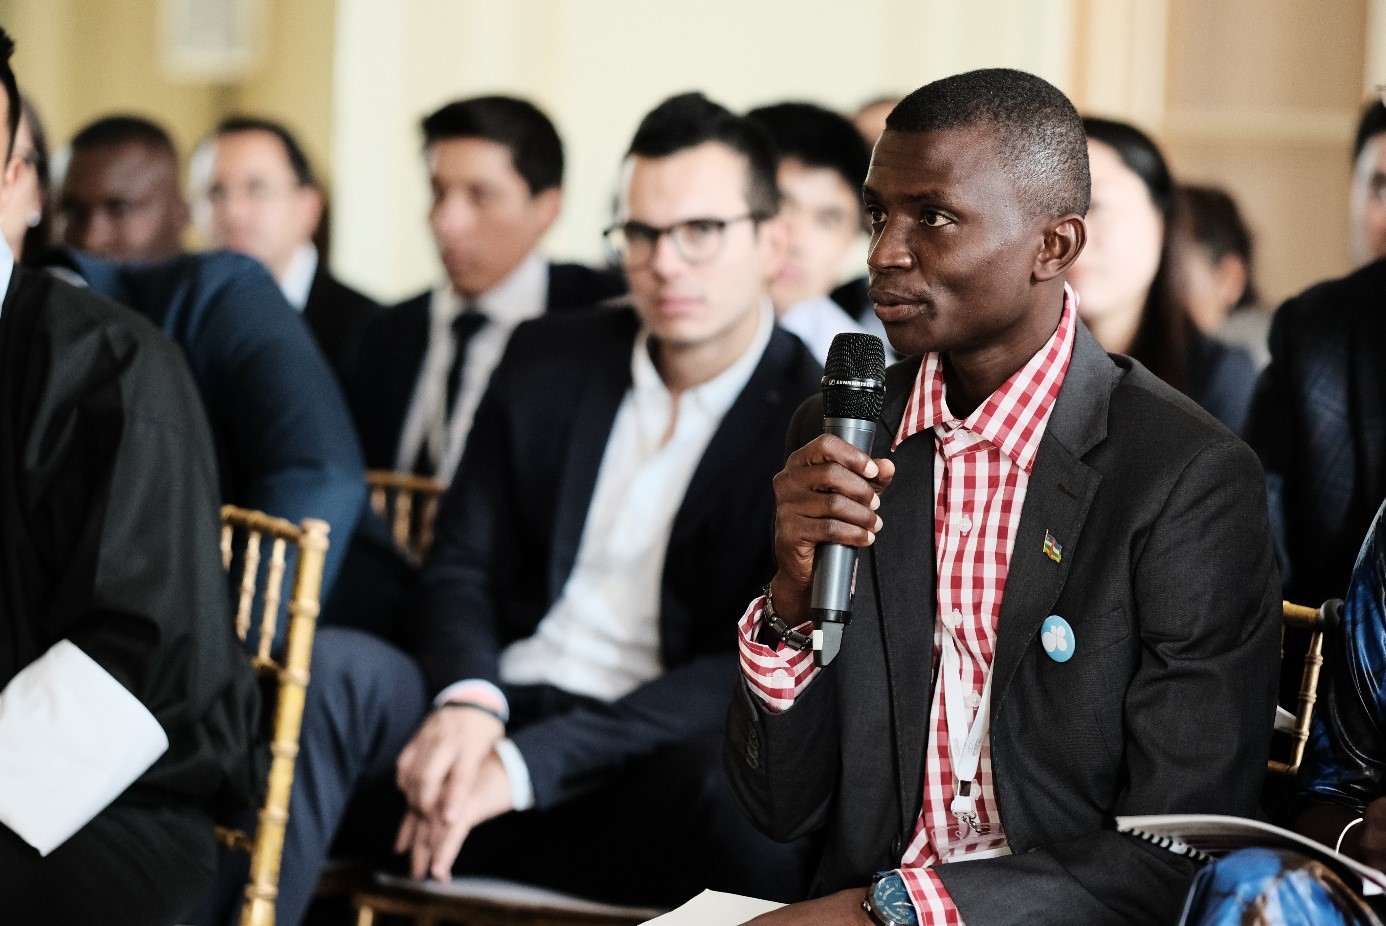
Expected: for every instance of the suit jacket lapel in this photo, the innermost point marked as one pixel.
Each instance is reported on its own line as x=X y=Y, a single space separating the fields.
x=1060 y=491
x=903 y=563
x=593 y=417
x=740 y=432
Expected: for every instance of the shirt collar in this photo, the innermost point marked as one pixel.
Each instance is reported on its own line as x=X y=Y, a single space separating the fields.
x=6 y=269
x=298 y=276
x=714 y=397
x=518 y=297
x=1013 y=417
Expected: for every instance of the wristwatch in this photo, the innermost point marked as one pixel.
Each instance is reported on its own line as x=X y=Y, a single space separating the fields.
x=888 y=902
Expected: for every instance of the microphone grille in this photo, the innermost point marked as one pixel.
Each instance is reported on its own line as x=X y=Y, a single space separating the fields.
x=854 y=377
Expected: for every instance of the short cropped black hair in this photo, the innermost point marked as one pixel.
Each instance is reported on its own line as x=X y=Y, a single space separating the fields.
x=11 y=88
x=1372 y=124
x=535 y=148
x=298 y=158
x=110 y=131
x=691 y=119
x=1039 y=134
x=817 y=137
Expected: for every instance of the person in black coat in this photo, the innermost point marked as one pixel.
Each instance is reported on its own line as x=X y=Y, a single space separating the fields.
x=1318 y=422
x=496 y=169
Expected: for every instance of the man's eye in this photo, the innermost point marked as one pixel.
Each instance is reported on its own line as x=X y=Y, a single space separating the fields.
x=933 y=219
x=704 y=228
x=875 y=217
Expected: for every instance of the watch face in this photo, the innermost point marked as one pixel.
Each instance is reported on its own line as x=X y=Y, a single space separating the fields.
x=891 y=901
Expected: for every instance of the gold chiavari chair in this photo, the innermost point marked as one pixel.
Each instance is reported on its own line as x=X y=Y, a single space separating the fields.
x=408 y=503
x=1316 y=621
x=290 y=672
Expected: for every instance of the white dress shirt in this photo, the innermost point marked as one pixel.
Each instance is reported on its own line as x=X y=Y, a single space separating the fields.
x=816 y=322
x=298 y=276
x=519 y=297
x=601 y=637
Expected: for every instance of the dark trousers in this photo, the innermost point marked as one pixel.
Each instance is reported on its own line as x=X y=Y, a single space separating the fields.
x=130 y=866
x=663 y=830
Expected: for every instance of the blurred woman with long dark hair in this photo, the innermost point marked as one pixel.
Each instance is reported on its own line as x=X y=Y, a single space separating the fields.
x=1127 y=284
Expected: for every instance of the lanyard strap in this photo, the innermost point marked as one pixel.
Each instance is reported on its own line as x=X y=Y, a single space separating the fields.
x=964 y=738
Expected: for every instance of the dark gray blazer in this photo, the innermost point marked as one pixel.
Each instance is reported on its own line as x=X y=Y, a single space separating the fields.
x=1168 y=581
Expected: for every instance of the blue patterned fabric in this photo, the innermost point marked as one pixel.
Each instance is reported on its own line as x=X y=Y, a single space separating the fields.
x=1266 y=887
x=1345 y=762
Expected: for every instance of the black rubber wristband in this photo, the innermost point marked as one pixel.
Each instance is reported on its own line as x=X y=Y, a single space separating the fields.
x=474 y=706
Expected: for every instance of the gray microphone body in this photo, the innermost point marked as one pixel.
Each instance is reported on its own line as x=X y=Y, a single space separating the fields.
x=853 y=397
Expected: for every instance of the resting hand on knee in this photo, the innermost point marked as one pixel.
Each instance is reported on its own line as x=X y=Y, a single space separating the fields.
x=433 y=840
x=441 y=762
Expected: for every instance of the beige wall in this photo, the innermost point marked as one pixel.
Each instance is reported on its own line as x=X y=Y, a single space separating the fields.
x=596 y=67
x=80 y=59
x=1257 y=95
x=1263 y=99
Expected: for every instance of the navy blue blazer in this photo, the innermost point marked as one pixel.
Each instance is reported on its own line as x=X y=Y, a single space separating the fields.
x=1318 y=422
x=284 y=442
x=510 y=526
x=381 y=383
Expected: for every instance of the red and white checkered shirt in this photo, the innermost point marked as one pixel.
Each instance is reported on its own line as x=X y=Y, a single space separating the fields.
x=981 y=472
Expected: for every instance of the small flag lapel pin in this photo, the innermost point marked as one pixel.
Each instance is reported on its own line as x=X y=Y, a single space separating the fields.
x=1052 y=548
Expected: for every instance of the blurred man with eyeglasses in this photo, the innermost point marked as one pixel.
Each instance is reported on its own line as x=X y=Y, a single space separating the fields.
x=263 y=198
x=559 y=721
x=495 y=167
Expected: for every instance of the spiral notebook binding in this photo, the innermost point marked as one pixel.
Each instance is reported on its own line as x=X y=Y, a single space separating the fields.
x=1170 y=844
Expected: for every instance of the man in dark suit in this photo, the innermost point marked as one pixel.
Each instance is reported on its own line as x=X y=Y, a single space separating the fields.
x=266 y=201
x=1066 y=604
x=496 y=169
x=576 y=622
x=1318 y=423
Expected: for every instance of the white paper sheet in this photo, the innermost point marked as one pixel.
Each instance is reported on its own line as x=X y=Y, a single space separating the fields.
x=713 y=908
x=72 y=738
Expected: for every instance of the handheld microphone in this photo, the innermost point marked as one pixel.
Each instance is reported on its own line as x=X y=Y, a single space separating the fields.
x=853 y=397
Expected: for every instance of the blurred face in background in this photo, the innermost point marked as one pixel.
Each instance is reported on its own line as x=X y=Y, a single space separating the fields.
x=708 y=292
x=122 y=202
x=823 y=216
x=1114 y=272
x=1368 y=202
x=1211 y=288
x=485 y=219
x=258 y=205
x=24 y=208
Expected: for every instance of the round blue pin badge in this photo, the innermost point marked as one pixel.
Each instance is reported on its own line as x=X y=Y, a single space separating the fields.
x=1056 y=636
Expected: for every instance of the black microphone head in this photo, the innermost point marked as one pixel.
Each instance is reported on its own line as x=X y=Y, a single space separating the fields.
x=854 y=377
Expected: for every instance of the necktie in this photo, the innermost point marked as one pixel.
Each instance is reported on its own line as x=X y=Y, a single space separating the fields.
x=464 y=328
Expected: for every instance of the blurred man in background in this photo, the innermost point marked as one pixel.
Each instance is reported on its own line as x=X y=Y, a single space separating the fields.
x=265 y=200
x=119 y=197
x=495 y=165
x=821 y=169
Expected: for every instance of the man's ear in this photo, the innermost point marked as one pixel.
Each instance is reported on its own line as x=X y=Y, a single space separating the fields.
x=772 y=238
x=310 y=204
x=1063 y=241
x=548 y=204
x=8 y=180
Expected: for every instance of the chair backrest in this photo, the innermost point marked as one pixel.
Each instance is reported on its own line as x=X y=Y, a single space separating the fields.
x=243 y=536
x=408 y=503
x=1316 y=621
